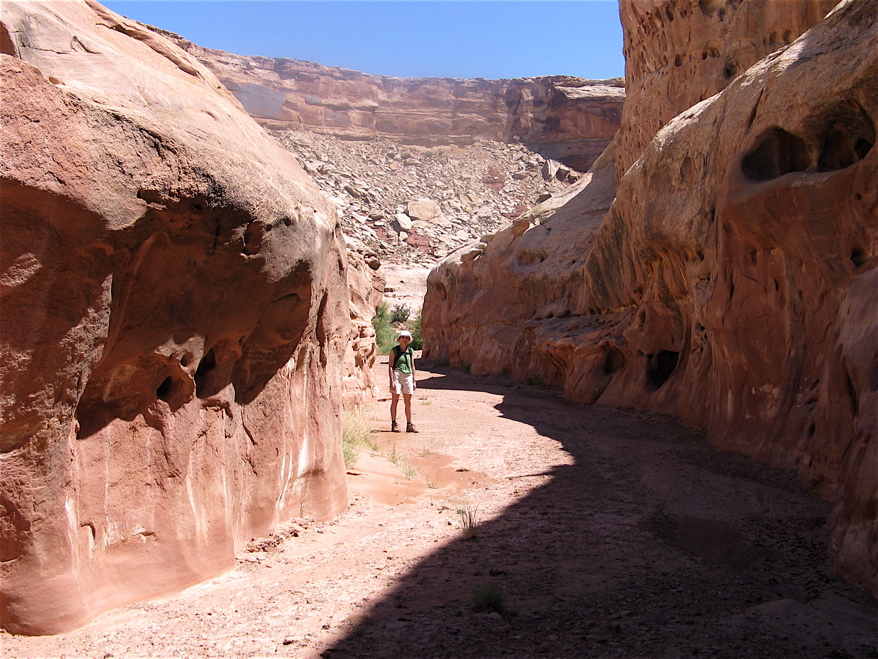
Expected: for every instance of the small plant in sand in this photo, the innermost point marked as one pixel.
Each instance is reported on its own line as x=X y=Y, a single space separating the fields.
x=469 y=521
x=356 y=432
x=488 y=597
x=410 y=472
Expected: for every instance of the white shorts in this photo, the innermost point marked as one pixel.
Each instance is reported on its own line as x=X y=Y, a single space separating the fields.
x=403 y=383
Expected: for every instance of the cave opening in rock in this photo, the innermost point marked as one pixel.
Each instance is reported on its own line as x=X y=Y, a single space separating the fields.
x=614 y=363
x=776 y=153
x=167 y=389
x=848 y=139
x=660 y=367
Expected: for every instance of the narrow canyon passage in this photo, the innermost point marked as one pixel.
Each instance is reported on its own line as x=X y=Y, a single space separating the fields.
x=604 y=532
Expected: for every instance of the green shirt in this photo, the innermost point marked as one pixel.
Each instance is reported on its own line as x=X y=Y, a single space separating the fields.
x=402 y=361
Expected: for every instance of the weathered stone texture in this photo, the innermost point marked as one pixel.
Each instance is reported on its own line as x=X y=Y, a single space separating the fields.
x=680 y=52
x=562 y=117
x=366 y=286
x=174 y=316
x=732 y=282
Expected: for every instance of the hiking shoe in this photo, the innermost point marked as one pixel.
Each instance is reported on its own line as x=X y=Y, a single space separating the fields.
x=410 y=427
x=394 y=426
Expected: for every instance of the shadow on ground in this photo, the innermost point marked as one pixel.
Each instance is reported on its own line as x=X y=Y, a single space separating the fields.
x=651 y=544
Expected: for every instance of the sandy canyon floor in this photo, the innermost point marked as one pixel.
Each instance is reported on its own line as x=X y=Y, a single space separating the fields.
x=598 y=533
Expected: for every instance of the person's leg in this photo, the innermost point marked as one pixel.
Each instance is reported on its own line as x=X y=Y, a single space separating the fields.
x=394 y=401
x=407 y=401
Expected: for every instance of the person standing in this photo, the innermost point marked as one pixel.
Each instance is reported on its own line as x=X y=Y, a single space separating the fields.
x=401 y=367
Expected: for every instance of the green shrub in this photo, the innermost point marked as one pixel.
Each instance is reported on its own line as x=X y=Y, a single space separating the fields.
x=385 y=333
x=415 y=329
x=488 y=597
x=400 y=314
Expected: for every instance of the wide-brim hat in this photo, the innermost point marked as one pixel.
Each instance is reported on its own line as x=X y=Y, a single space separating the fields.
x=405 y=333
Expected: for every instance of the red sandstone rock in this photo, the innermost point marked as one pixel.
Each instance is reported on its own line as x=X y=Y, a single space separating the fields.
x=561 y=117
x=174 y=313
x=733 y=282
x=366 y=286
x=680 y=52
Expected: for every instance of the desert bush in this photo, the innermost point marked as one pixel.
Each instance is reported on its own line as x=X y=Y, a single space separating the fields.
x=356 y=432
x=385 y=333
x=469 y=519
x=415 y=329
x=400 y=313
x=488 y=597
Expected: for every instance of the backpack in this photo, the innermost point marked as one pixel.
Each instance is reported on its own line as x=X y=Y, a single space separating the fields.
x=398 y=354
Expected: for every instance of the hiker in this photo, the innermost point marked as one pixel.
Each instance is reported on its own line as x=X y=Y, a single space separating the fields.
x=401 y=368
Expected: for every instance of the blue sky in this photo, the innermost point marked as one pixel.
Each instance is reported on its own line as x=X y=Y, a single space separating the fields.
x=406 y=38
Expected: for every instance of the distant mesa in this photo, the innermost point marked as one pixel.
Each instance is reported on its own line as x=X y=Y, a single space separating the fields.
x=564 y=118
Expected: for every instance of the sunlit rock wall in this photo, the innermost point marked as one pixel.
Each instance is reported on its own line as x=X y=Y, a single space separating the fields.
x=680 y=52
x=366 y=286
x=174 y=316
x=562 y=117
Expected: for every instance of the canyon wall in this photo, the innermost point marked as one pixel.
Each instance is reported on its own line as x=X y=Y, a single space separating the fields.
x=732 y=281
x=561 y=117
x=174 y=318
x=680 y=52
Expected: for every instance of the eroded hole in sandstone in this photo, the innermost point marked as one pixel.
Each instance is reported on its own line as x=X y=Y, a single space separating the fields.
x=660 y=367
x=214 y=371
x=730 y=70
x=167 y=388
x=615 y=362
x=7 y=47
x=530 y=257
x=686 y=169
x=175 y=390
x=253 y=239
x=777 y=153
x=849 y=138
x=859 y=257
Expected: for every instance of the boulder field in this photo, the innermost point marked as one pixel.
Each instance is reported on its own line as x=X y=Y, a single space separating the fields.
x=730 y=277
x=175 y=314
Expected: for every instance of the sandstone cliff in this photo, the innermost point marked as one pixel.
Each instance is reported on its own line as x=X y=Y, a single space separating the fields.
x=680 y=52
x=564 y=118
x=174 y=316
x=732 y=282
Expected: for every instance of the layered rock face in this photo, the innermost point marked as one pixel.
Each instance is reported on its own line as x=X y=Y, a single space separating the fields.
x=564 y=118
x=733 y=281
x=680 y=52
x=174 y=317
